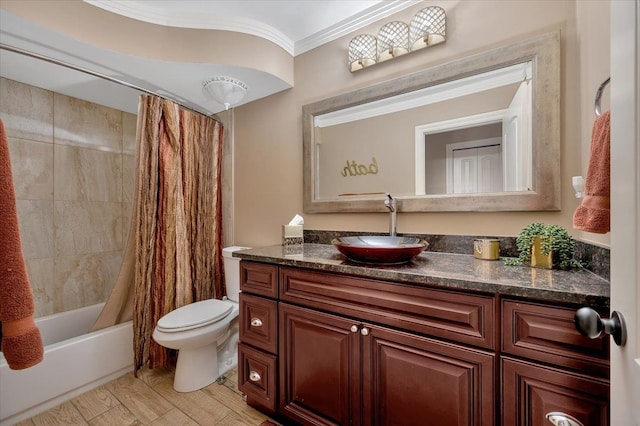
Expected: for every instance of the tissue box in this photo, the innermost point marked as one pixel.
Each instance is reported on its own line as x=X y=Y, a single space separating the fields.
x=292 y=235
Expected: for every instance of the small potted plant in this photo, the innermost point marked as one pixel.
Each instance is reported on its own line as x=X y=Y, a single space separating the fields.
x=545 y=246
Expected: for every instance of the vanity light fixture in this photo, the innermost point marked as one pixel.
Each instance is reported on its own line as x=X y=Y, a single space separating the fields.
x=428 y=27
x=363 y=51
x=225 y=90
x=393 y=40
x=396 y=38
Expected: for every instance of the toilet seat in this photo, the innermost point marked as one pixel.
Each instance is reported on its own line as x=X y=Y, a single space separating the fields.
x=194 y=315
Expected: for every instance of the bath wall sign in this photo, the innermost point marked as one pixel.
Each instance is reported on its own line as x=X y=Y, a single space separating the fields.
x=353 y=168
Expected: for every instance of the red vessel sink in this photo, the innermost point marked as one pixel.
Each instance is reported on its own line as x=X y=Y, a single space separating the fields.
x=380 y=249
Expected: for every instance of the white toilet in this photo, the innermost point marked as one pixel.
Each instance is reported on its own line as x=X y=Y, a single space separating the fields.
x=205 y=333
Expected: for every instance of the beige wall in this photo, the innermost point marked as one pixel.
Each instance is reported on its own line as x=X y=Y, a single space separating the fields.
x=73 y=171
x=268 y=138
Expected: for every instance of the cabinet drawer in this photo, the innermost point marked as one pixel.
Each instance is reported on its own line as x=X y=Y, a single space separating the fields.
x=259 y=278
x=257 y=376
x=547 y=333
x=258 y=322
x=530 y=392
x=451 y=315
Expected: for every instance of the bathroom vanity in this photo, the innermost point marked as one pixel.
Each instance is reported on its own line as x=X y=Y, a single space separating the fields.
x=444 y=339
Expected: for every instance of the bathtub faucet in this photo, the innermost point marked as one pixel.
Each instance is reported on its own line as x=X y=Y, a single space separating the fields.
x=392 y=205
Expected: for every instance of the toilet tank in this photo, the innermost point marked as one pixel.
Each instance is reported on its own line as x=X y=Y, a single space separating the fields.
x=232 y=271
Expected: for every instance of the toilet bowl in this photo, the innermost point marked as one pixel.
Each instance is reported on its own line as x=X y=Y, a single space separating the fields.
x=205 y=333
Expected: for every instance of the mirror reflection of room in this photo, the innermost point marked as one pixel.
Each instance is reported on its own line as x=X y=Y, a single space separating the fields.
x=467 y=136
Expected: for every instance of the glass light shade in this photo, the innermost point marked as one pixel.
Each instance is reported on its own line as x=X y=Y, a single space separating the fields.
x=225 y=90
x=428 y=27
x=362 y=52
x=393 y=40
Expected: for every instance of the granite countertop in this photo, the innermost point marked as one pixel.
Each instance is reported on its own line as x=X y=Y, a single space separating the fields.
x=451 y=271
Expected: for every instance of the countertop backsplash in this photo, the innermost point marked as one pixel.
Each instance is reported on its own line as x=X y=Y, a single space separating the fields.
x=595 y=258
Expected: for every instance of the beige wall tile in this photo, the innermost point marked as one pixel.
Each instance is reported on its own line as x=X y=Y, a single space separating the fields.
x=87 y=174
x=81 y=123
x=26 y=111
x=41 y=279
x=127 y=211
x=129 y=123
x=32 y=169
x=84 y=280
x=69 y=192
x=128 y=177
x=83 y=227
x=35 y=219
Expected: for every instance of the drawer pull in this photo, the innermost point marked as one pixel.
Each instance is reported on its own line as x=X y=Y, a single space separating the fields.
x=254 y=376
x=562 y=419
x=364 y=331
x=590 y=324
x=256 y=322
x=354 y=328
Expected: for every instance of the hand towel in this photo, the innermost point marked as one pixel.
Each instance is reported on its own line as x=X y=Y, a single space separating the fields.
x=593 y=214
x=20 y=341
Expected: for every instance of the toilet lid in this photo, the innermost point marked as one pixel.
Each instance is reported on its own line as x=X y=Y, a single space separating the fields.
x=196 y=314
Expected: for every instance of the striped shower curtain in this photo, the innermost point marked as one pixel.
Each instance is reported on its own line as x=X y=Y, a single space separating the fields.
x=174 y=252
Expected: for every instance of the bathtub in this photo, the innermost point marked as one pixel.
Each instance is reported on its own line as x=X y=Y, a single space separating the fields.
x=75 y=361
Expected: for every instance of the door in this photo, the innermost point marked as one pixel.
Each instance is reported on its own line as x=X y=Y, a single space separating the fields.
x=415 y=381
x=532 y=391
x=319 y=367
x=474 y=166
x=516 y=141
x=625 y=208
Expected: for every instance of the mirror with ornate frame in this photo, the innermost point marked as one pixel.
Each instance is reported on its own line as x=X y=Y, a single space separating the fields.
x=480 y=133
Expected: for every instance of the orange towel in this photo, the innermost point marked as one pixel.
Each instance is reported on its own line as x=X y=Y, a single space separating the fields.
x=593 y=214
x=20 y=341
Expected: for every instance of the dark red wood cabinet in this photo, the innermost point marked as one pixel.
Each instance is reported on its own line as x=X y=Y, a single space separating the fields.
x=548 y=367
x=331 y=349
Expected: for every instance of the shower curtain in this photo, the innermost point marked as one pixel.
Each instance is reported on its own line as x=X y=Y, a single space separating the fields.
x=174 y=251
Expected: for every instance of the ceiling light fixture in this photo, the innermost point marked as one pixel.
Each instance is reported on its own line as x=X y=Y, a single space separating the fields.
x=225 y=90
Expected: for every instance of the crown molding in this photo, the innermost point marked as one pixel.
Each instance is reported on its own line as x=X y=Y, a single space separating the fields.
x=202 y=20
x=353 y=23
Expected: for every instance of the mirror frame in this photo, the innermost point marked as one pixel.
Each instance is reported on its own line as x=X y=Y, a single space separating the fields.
x=543 y=51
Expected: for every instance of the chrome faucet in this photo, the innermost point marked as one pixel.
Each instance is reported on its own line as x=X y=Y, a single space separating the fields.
x=392 y=205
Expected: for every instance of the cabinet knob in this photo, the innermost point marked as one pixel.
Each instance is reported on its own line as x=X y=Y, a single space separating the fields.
x=561 y=419
x=256 y=322
x=364 y=331
x=590 y=324
x=354 y=328
x=254 y=376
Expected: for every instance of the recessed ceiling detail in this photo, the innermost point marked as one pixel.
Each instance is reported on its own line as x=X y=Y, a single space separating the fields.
x=295 y=25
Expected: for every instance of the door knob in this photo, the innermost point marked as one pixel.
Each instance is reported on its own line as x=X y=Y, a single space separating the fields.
x=562 y=419
x=590 y=324
x=354 y=328
x=256 y=322
x=364 y=331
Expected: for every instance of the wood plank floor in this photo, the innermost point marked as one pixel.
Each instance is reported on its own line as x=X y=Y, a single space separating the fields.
x=151 y=400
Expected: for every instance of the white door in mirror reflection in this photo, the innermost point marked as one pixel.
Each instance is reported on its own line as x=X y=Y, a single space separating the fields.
x=516 y=137
x=477 y=170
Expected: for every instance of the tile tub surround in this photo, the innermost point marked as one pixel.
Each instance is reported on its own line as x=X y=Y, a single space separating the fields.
x=73 y=165
x=595 y=258
x=451 y=271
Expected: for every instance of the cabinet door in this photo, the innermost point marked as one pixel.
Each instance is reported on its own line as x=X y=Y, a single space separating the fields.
x=411 y=380
x=530 y=392
x=319 y=367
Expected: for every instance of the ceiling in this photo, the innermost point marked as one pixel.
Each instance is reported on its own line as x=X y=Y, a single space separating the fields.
x=295 y=25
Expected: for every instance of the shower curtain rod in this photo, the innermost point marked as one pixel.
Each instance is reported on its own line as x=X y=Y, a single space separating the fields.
x=97 y=74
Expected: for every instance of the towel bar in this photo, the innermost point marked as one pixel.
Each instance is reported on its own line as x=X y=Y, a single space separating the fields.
x=599 y=95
